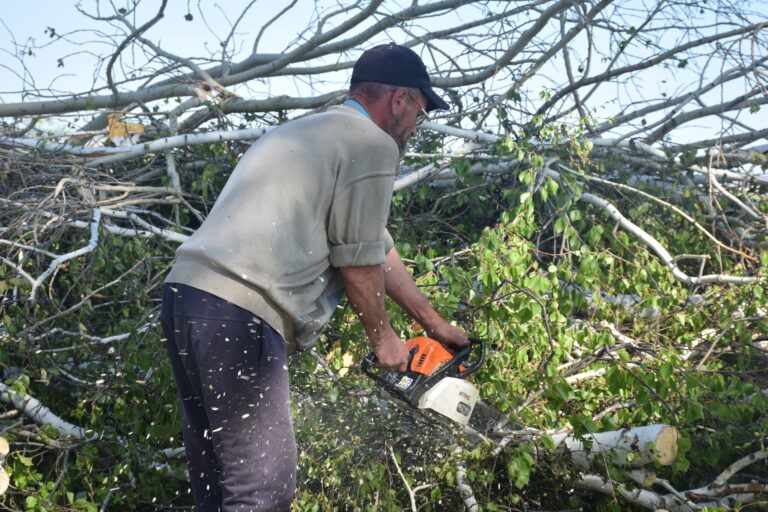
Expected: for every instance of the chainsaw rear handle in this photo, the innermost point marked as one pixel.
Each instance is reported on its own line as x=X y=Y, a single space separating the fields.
x=370 y=361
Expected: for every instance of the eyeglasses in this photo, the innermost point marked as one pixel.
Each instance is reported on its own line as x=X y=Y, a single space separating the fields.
x=423 y=115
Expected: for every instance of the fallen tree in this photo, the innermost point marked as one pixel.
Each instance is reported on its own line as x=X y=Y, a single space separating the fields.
x=606 y=240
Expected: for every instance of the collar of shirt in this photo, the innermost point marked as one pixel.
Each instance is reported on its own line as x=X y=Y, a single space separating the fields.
x=349 y=102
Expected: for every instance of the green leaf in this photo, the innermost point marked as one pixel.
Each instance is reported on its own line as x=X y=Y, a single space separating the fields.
x=694 y=412
x=24 y=460
x=524 y=315
x=559 y=225
x=616 y=380
x=666 y=371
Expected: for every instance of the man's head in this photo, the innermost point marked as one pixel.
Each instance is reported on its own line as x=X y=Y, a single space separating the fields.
x=393 y=84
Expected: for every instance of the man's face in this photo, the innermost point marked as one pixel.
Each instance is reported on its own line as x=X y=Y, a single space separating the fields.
x=408 y=109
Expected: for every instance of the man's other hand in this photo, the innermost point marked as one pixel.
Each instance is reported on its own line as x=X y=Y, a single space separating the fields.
x=448 y=334
x=391 y=353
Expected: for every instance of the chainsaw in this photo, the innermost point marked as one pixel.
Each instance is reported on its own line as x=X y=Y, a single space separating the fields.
x=435 y=378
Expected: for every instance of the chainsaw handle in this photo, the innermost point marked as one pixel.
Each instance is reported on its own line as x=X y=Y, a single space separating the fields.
x=370 y=361
x=464 y=352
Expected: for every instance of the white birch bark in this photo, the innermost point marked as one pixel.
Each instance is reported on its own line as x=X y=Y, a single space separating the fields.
x=41 y=414
x=633 y=447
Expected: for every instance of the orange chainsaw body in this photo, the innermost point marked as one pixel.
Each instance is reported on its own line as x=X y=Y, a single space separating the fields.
x=430 y=355
x=431 y=369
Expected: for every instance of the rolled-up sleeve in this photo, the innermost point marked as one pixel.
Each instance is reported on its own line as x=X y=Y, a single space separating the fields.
x=389 y=242
x=357 y=232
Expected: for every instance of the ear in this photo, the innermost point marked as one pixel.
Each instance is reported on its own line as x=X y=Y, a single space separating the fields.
x=399 y=101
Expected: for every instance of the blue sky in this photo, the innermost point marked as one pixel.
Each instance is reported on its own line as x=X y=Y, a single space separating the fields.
x=201 y=36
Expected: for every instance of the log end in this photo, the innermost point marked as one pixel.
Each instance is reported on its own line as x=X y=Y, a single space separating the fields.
x=5 y=481
x=665 y=447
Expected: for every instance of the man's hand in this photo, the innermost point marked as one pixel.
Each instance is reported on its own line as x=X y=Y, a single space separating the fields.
x=448 y=334
x=391 y=352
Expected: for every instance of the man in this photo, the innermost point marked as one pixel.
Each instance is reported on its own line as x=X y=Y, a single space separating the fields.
x=301 y=220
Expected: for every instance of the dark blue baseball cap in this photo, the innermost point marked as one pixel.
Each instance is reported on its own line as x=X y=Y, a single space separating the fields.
x=397 y=65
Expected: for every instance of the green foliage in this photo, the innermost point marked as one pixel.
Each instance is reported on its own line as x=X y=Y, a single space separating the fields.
x=520 y=464
x=517 y=260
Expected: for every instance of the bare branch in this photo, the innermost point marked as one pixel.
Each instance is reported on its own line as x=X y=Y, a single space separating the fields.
x=146 y=26
x=40 y=414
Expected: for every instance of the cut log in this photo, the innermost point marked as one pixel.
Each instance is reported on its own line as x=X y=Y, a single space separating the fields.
x=633 y=447
x=5 y=481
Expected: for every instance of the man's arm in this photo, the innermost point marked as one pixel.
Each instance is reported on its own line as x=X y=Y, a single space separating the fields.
x=402 y=289
x=365 y=289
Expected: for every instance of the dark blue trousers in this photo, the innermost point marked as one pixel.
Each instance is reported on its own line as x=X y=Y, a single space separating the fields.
x=232 y=379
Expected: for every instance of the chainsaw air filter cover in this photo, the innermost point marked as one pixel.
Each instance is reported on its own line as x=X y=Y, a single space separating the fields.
x=452 y=397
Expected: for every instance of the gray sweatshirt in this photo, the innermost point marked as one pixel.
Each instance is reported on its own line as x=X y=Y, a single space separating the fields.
x=307 y=198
